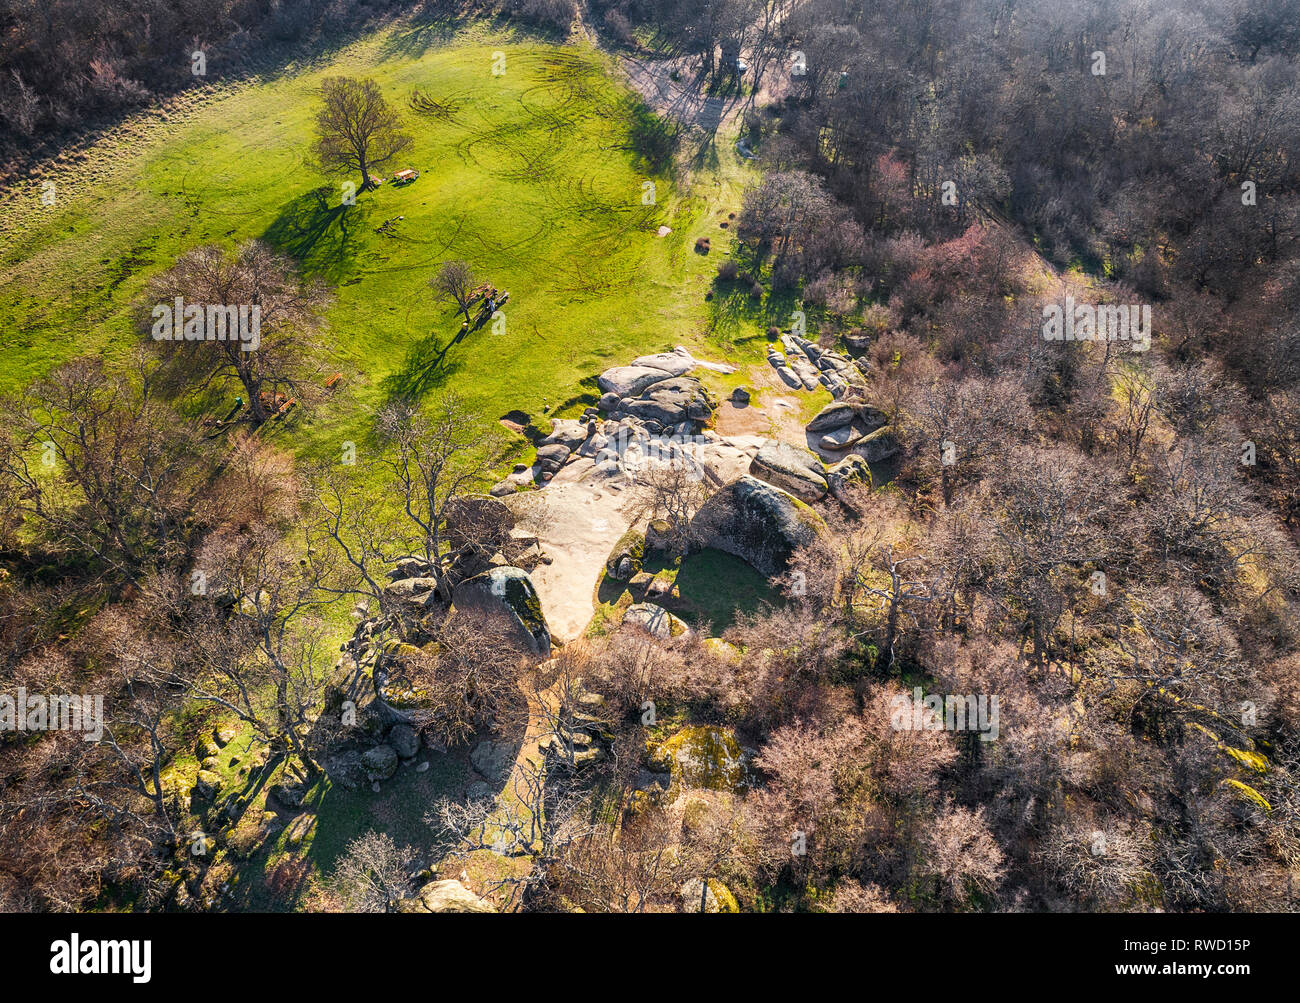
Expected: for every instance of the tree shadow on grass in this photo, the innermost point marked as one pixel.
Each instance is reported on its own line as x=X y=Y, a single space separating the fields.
x=323 y=238
x=713 y=586
x=428 y=29
x=428 y=365
x=709 y=587
x=705 y=157
x=652 y=138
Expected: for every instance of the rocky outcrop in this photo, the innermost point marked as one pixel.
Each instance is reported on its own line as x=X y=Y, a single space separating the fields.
x=671 y=402
x=792 y=469
x=508 y=590
x=630 y=381
x=404 y=740
x=493 y=759
x=701 y=756
x=879 y=445
x=444 y=896
x=806 y=364
x=832 y=416
x=655 y=620
x=677 y=363
x=710 y=896
x=580 y=733
x=845 y=424
x=757 y=522
x=839 y=438
x=625 y=558
x=380 y=763
x=850 y=473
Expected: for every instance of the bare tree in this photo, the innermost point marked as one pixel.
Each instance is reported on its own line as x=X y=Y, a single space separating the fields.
x=101 y=469
x=356 y=130
x=468 y=677
x=960 y=855
x=258 y=633
x=433 y=458
x=455 y=281
x=538 y=818
x=277 y=364
x=674 y=490
x=373 y=873
x=1136 y=408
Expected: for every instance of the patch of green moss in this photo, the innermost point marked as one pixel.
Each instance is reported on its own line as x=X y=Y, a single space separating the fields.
x=701 y=756
x=527 y=605
x=630 y=545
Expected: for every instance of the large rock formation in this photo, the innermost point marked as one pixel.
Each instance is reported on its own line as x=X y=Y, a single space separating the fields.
x=511 y=591
x=805 y=364
x=700 y=756
x=756 y=522
x=791 y=469
x=625 y=558
x=655 y=620
x=850 y=473
x=444 y=896
x=629 y=381
x=671 y=402
x=879 y=445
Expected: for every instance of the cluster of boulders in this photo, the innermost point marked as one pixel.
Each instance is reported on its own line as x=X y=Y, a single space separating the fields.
x=801 y=472
x=650 y=397
x=483 y=533
x=849 y=424
x=580 y=734
x=656 y=390
x=860 y=429
x=807 y=365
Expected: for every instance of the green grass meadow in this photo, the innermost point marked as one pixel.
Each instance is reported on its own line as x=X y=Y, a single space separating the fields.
x=532 y=175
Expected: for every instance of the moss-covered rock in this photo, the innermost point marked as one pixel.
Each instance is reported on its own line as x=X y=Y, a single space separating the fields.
x=722 y=649
x=206 y=747
x=626 y=557
x=659 y=535
x=716 y=896
x=701 y=756
x=511 y=591
x=851 y=472
x=879 y=445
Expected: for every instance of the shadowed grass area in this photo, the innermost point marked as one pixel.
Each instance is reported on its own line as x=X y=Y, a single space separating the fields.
x=710 y=586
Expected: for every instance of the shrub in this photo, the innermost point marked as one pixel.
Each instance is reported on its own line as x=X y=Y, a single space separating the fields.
x=617 y=24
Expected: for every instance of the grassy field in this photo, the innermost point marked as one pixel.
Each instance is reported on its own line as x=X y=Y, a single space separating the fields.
x=533 y=176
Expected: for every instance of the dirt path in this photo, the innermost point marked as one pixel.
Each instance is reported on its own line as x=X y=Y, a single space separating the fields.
x=682 y=99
